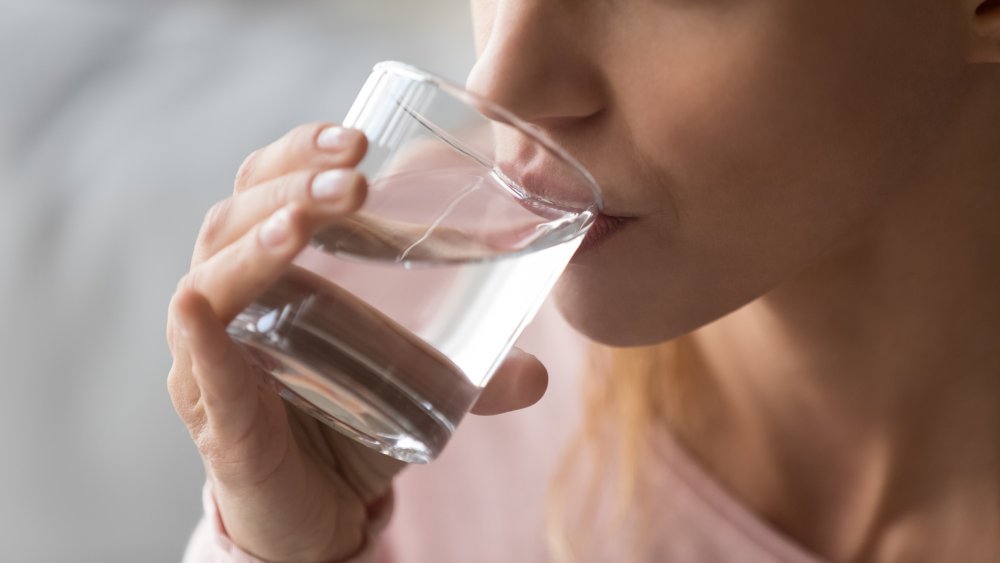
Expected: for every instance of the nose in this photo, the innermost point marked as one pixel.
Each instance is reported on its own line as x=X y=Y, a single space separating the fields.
x=537 y=63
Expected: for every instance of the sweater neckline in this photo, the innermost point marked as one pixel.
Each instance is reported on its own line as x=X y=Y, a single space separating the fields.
x=720 y=501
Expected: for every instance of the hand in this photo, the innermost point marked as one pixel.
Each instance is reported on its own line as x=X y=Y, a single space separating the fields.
x=288 y=487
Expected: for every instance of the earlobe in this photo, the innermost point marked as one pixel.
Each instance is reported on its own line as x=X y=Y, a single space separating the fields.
x=985 y=44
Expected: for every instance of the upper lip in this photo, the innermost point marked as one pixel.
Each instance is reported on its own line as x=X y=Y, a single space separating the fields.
x=550 y=184
x=546 y=175
x=616 y=213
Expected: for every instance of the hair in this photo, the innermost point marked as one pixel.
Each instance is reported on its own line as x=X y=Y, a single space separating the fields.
x=626 y=393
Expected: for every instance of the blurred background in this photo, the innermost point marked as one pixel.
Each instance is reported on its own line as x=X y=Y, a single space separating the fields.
x=121 y=122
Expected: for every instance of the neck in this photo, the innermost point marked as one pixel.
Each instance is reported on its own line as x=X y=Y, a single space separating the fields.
x=868 y=384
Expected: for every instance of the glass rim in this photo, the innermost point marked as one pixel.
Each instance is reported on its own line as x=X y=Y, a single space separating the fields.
x=473 y=100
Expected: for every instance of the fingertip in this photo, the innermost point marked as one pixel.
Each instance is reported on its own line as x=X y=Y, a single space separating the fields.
x=357 y=195
x=521 y=381
x=284 y=231
x=347 y=202
x=348 y=145
x=360 y=148
x=529 y=363
x=519 y=354
x=337 y=138
x=534 y=379
x=339 y=189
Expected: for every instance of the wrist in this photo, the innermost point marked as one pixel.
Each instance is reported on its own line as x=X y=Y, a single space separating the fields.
x=377 y=516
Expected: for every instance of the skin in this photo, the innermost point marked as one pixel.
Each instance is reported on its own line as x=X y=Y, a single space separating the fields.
x=812 y=190
x=288 y=488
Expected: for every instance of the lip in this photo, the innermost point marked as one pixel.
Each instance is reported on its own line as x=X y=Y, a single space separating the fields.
x=604 y=227
x=559 y=185
x=551 y=180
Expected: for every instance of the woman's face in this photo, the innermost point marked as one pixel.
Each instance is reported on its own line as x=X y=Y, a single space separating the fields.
x=744 y=139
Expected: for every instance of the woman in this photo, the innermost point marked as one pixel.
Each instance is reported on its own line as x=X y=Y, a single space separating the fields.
x=801 y=286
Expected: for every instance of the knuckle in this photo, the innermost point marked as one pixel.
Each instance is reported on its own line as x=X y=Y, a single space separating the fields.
x=176 y=385
x=214 y=222
x=185 y=396
x=189 y=282
x=212 y=452
x=174 y=338
x=196 y=420
x=186 y=282
x=172 y=313
x=245 y=173
x=245 y=259
x=288 y=189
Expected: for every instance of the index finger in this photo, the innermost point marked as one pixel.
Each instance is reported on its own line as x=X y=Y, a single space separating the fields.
x=314 y=146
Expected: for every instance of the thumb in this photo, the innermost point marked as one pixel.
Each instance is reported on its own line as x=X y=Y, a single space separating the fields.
x=519 y=382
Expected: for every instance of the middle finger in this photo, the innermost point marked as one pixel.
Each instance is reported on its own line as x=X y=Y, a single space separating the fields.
x=331 y=192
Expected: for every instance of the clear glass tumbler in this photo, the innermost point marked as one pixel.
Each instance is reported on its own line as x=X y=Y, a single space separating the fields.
x=391 y=322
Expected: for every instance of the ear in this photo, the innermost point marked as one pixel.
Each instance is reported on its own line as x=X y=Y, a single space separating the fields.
x=985 y=45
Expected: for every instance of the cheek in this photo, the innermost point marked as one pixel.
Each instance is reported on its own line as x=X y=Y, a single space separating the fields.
x=791 y=123
x=817 y=87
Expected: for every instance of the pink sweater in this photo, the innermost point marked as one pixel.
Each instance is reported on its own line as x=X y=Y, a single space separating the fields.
x=483 y=500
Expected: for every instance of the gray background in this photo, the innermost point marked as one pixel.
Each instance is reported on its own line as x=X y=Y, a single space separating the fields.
x=120 y=123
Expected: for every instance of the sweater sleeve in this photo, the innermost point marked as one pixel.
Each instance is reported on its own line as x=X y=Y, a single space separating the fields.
x=210 y=543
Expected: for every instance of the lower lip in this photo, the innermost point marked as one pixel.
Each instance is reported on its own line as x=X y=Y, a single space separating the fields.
x=603 y=228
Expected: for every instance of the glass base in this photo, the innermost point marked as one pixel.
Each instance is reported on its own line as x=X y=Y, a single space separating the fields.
x=358 y=403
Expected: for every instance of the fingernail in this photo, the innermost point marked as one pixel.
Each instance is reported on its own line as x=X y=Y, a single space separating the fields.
x=274 y=231
x=332 y=184
x=336 y=138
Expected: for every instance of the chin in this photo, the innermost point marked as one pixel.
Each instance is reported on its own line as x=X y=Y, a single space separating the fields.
x=625 y=311
x=611 y=318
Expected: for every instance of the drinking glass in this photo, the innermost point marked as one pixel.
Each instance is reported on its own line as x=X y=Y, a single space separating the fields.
x=391 y=322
